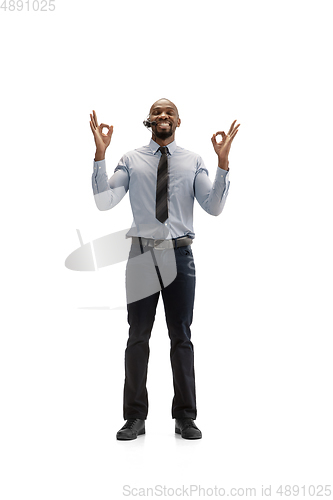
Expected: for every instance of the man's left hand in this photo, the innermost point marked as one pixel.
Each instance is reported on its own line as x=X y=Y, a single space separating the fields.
x=222 y=148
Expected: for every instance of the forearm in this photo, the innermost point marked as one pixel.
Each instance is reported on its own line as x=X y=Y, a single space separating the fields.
x=223 y=163
x=212 y=197
x=108 y=192
x=100 y=154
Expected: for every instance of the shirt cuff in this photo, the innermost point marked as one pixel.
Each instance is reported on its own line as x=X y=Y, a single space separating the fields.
x=221 y=173
x=99 y=167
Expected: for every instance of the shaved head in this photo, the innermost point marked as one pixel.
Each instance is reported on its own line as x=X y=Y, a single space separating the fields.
x=164 y=102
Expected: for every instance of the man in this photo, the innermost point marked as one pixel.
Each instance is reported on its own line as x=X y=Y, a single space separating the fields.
x=163 y=180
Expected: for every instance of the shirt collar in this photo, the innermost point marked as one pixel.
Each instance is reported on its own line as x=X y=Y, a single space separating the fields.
x=154 y=146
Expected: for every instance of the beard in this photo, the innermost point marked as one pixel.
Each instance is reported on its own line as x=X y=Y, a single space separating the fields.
x=164 y=134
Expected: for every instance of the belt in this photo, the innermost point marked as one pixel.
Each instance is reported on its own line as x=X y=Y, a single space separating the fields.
x=162 y=244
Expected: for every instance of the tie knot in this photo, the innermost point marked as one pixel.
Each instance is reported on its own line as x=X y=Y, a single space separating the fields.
x=164 y=150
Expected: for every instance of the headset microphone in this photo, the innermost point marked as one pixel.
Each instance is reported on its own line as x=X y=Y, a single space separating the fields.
x=148 y=123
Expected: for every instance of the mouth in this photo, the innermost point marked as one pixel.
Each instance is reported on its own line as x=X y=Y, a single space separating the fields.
x=163 y=125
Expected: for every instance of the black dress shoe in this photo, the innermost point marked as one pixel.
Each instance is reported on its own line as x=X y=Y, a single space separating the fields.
x=187 y=428
x=133 y=428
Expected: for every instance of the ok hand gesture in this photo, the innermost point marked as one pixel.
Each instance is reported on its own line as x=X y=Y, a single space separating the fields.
x=102 y=140
x=222 y=148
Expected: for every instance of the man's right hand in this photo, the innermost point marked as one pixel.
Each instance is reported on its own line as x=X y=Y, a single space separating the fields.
x=102 y=141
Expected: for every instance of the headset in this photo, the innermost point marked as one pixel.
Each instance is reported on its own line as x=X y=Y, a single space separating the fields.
x=147 y=123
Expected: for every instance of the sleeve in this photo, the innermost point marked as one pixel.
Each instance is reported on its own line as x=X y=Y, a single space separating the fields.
x=109 y=192
x=211 y=196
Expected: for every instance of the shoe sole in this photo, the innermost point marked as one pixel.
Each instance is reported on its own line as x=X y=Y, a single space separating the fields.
x=121 y=438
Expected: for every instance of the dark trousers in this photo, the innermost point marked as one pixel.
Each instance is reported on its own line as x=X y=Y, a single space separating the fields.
x=178 y=299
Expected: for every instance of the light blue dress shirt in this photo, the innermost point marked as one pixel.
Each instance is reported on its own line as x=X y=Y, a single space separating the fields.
x=137 y=173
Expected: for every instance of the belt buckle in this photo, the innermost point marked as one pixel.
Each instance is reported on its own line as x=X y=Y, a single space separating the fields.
x=156 y=243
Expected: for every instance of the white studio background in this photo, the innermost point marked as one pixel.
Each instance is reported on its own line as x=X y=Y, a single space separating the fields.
x=262 y=321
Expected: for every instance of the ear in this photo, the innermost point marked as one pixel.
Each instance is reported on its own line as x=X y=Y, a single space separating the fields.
x=179 y=122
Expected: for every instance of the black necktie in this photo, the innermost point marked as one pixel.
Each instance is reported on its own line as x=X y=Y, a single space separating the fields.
x=162 y=186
